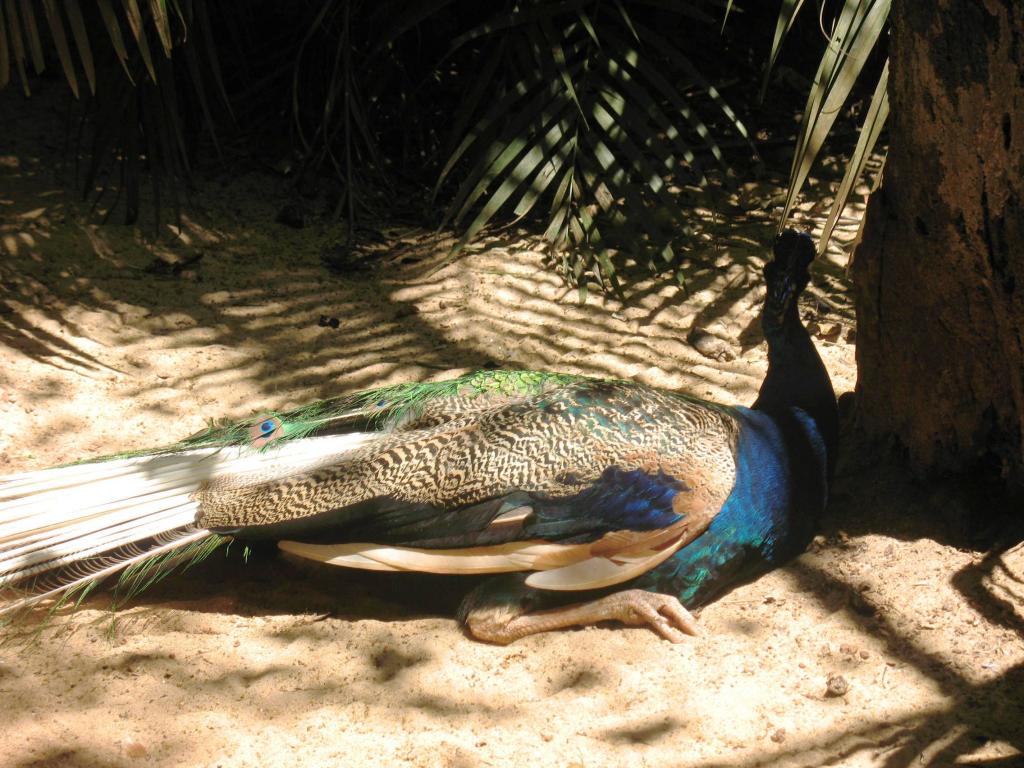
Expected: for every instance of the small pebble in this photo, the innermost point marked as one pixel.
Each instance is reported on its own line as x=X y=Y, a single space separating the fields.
x=836 y=685
x=834 y=600
x=861 y=606
x=778 y=735
x=134 y=749
x=710 y=346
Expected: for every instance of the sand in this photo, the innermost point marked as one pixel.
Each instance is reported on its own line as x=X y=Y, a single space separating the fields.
x=895 y=640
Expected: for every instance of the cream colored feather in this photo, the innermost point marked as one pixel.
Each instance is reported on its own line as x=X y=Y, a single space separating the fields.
x=55 y=518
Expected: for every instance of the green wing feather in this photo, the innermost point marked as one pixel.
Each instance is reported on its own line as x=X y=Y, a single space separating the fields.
x=382 y=407
x=390 y=406
x=385 y=408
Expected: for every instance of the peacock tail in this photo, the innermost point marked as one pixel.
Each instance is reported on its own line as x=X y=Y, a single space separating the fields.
x=66 y=528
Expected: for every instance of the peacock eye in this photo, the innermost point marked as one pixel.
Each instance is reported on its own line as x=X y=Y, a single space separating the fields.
x=265 y=430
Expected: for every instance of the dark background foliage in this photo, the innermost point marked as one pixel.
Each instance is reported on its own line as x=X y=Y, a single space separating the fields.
x=612 y=130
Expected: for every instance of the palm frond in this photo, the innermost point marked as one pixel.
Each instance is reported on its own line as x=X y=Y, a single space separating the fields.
x=874 y=121
x=787 y=15
x=114 y=32
x=5 y=51
x=35 y=47
x=12 y=23
x=856 y=33
x=60 y=41
x=131 y=108
x=589 y=121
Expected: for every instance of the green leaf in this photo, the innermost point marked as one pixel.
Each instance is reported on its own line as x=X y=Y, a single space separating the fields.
x=60 y=41
x=514 y=18
x=114 y=32
x=858 y=29
x=670 y=93
x=536 y=90
x=81 y=41
x=725 y=16
x=874 y=121
x=544 y=176
x=558 y=56
x=528 y=156
x=534 y=118
x=668 y=50
x=526 y=169
x=17 y=45
x=158 y=12
x=626 y=20
x=625 y=74
x=561 y=203
x=28 y=18
x=787 y=15
x=5 y=53
x=482 y=87
x=606 y=116
x=590 y=126
x=589 y=27
x=589 y=233
x=134 y=16
x=612 y=184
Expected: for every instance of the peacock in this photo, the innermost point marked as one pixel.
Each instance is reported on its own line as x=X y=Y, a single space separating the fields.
x=588 y=499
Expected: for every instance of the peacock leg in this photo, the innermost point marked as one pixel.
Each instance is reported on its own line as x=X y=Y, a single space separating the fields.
x=503 y=610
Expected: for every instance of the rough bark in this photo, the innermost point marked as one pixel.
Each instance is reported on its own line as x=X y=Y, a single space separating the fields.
x=940 y=273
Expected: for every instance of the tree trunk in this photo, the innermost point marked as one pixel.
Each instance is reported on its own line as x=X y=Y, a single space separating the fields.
x=940 y=274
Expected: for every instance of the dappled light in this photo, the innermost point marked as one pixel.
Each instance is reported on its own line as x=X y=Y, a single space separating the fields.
x=241 y=325
x=289 y=271
x=314 y=651
x=116 y=341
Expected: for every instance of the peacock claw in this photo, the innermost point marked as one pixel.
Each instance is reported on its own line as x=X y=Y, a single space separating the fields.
x=662 y=613
x=501 y=621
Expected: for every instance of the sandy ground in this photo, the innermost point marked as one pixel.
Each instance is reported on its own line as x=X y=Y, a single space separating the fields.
x=274 y=662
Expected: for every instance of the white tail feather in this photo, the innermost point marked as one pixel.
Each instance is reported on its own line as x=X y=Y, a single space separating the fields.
x=54 y=518
x=95 y=574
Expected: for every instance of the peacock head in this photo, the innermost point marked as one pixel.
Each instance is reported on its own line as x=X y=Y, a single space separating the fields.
x=786 y=276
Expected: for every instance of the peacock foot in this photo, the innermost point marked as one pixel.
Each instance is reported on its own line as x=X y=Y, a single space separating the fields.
x=638 y=607
x=503 y=616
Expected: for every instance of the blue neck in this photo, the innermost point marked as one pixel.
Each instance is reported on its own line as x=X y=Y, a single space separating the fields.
x=784 y=461
x=797 y=378
x=769 y=517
